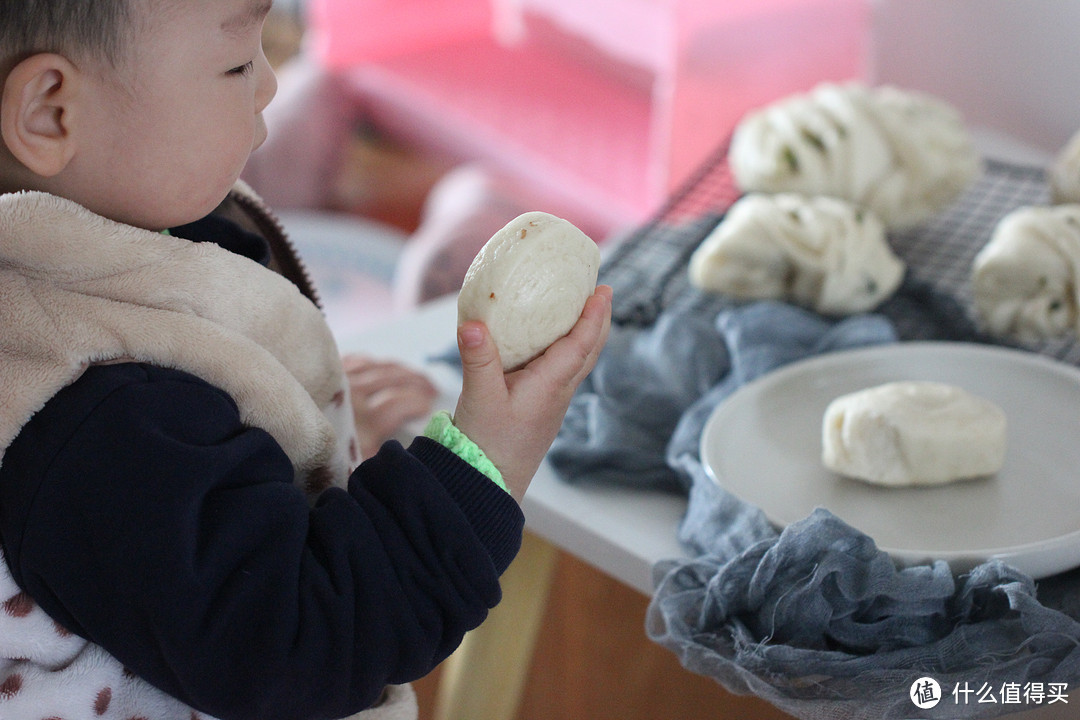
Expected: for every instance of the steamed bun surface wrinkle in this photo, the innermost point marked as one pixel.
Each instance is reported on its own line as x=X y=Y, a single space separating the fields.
x=819 y=252
x=529 y=284
x=902 y=154
x=1024 y=280
x=913 y=433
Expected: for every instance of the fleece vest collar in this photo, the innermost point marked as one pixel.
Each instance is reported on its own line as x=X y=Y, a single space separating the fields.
x=79 y=289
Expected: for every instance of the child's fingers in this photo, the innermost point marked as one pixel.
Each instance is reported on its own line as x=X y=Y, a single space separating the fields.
x=602 y=312
x=573 y=356
x=374 y=377
x=390 y=409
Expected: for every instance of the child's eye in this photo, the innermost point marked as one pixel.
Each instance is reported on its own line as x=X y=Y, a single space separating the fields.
x=244 y=69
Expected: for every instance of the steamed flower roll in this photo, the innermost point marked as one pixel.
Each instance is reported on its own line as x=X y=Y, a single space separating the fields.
x=905 y=155
x=1024 y=280
x=819 y=252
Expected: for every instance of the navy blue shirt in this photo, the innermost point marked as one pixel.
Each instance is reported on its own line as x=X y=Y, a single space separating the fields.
x=141 y=513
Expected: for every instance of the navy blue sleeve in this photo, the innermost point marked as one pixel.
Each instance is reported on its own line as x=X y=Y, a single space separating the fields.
x=139 y=512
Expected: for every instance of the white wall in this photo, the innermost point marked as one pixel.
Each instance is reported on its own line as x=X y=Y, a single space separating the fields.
x=1009 y=65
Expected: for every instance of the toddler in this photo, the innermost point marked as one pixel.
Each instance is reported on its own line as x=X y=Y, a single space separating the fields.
x=188 y=530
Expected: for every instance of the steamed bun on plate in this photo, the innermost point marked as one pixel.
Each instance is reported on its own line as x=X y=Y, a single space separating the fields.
x=819 y=252
x=910 y=433
x=905 y=155
x=529 y=284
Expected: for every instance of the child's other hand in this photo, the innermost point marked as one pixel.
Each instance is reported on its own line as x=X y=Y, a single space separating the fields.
x=385 y=396
x=514 y=417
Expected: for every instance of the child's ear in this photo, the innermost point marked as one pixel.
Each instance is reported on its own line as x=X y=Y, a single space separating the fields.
x=37 y=108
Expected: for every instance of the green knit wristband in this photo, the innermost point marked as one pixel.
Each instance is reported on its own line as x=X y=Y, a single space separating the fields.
x=442 y=430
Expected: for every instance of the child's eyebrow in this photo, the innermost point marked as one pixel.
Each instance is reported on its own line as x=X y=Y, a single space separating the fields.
x=251 y=15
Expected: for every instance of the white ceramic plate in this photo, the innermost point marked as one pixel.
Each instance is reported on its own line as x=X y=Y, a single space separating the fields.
x=764 y=445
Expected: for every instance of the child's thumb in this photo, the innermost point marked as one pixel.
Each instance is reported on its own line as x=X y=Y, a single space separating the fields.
x=479 y=355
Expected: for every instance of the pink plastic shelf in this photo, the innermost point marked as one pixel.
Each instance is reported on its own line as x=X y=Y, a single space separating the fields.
x=576 y=107
x=347 y=32
x=477 y=99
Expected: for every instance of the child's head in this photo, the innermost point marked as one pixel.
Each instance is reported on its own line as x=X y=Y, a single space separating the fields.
x=144 y=111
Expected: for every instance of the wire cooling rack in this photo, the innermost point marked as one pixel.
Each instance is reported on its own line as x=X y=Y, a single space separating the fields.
x=648 y=268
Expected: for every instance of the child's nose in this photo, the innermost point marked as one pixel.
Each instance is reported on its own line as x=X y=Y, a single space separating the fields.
x=267 y=85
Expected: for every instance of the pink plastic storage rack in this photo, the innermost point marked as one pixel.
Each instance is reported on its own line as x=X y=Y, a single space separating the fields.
x=605 y=104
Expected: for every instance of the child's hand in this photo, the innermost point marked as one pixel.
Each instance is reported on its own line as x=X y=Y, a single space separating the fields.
x=385 y=396
x=514 y=417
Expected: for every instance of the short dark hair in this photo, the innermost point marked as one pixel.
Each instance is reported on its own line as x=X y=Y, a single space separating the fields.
x=83 y=28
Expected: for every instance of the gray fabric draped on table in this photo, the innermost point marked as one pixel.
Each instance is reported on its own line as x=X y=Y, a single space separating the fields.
x=815 y=619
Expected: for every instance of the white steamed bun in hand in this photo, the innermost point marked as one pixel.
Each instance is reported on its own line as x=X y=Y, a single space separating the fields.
x=529 y=284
